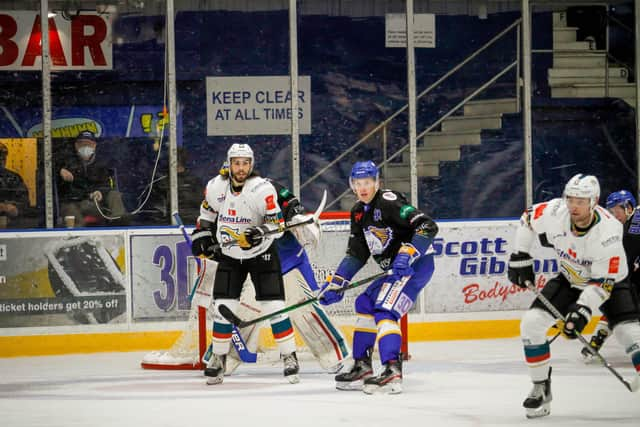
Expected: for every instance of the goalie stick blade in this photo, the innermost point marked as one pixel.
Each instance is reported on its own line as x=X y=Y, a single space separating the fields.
x=230 y=316
x=320 y=208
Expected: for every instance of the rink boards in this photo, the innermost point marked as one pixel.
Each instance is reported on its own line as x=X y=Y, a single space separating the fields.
x=65 y=291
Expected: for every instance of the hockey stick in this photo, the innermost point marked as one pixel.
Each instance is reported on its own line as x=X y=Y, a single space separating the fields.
x=235 y=320
x=289 y=226
x=241 y=347
x=554 y=311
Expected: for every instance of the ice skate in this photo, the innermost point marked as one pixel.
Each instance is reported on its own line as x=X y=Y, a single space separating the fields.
x=389 y=381
x=291 y=367
x=538 y=402
x=354 y=379
x=215 y=369
x=596 y=342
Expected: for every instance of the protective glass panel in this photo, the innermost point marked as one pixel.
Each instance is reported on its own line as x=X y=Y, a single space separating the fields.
x=21 y=148
x=232 y=69
x=585 y=120
x=357 y=84
x=469 y=125
x=108 y=86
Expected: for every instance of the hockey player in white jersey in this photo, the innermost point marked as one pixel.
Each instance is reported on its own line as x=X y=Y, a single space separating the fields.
x=588 y=243
x=323 y=338
x=238 y=223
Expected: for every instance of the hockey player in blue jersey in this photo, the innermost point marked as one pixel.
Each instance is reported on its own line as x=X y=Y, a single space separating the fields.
x=398 y=236
x=622 y=206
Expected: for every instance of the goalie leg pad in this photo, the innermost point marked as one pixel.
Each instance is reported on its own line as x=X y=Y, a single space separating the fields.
x=325 y=341
x=204 y=287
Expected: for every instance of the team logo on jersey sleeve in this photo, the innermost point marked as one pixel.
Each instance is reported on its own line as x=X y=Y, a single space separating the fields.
x=269 y=200
x=284 y=193
x=378 y=239
x=406 y=210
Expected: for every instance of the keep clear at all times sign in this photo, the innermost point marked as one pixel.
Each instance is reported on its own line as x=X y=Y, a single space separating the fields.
x=256 y=105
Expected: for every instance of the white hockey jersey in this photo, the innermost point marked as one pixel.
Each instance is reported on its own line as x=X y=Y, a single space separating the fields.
x=257 y=204
x=596 y=257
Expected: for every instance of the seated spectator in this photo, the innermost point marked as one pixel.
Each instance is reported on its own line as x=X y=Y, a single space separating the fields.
x=85 y=183
x=14 y=196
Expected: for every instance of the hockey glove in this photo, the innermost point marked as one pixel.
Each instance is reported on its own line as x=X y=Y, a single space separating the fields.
x=521 y=269
x=406 y=256
x=253 y=236
x=203 y=244
x=575 y=321
x=329 y=293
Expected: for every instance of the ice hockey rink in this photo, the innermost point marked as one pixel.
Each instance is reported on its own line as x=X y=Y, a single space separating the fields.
x=447 y=383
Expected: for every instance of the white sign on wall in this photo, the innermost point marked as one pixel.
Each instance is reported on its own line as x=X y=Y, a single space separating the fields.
x=83 y=43
x=256 y=105
x=424 y=30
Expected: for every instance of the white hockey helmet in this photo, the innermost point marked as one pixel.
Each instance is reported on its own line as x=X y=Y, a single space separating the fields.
x=583 y=186
x=240 y=150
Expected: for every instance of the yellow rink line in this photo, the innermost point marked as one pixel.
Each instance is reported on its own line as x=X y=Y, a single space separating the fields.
x=41 y=345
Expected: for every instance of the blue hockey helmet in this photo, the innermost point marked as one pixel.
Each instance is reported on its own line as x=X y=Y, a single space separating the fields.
x=622 y=197
x=366 y=169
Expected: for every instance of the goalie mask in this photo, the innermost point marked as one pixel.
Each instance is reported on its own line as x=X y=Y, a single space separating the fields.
x=583 y=186
x=240 y=150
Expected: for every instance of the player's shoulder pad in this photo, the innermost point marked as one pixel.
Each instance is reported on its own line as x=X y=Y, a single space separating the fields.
x=634 y=224
x=258 y=184
x=610 y=230
x=391 y=195
x=543 y=211
x=216 y=185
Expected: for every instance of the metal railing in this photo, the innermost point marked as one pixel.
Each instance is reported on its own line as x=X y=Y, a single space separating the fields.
x=608 y=55
x=437 y=122
x=384 y=124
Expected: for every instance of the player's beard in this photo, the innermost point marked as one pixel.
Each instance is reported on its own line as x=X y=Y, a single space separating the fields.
x=239 y=178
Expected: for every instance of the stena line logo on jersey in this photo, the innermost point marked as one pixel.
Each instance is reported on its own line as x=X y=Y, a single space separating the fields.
x=485 y=256
x=234 y=219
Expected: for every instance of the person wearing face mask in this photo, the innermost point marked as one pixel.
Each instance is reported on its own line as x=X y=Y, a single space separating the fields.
x=14 y=196
x=84 y=182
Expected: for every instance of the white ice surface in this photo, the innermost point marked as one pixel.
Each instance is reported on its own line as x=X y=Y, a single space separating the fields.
x=453 y=383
